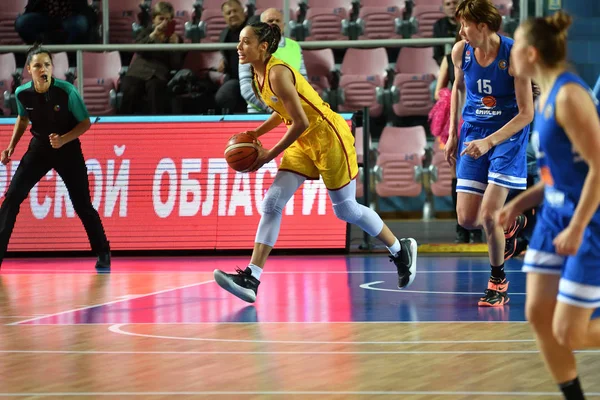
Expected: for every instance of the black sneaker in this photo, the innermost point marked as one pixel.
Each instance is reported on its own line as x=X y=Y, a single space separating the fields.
x=511 y=235
x=103 y=262
x=462 y=235
x=241 y=284
x=406 y=262
x=476 y=236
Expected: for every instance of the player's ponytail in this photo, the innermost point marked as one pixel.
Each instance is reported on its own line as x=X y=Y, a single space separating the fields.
x=559 y=22
x=270 y=34
x=549 y=36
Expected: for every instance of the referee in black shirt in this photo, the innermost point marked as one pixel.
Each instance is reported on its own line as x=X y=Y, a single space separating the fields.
x=58 y=117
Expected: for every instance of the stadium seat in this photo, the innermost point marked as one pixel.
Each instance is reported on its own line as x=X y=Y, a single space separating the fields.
x=363 y=78
x=325 y=21
x=101 y=73
x=424 y=17
x=378 y=19
x=320 y=66
x=9 y=11
x=122 y=16
x=400 y=158
x=415 y=70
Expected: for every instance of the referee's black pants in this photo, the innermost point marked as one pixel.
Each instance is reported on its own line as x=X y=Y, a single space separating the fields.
x=69 y=163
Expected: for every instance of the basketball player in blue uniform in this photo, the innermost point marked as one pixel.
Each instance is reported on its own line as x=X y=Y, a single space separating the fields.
x=492 y=146
x=563 y=259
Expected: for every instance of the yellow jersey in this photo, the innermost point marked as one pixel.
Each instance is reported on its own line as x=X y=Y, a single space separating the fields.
x=315 y=108
x=326 y=147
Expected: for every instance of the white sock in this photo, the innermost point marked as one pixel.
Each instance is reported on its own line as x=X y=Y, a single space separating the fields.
x=256 y=270
x=395 y=248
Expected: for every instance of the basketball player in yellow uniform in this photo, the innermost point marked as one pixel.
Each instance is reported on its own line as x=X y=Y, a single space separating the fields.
x=318 y=143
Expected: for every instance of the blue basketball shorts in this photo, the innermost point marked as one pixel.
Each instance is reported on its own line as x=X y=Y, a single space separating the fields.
x=504 y=165
x=580 y=274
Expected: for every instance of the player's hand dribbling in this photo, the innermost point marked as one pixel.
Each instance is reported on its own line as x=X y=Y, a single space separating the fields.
x=568 y=241
x=56 y=141
x=5 y=156
x=264 y=156
x=477 y=148
x=450 y=150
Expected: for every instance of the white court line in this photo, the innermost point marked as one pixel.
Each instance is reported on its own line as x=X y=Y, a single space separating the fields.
x=111 y=302
x=292 y=393
x=369 y=286
x=100 y=352
x=116 y=328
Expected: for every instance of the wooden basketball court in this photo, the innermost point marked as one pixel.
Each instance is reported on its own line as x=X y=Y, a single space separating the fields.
x=331 y=327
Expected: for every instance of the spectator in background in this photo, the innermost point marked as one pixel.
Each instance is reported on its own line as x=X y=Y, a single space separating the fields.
x=228 y=98
x=288 y=51
x=56 y=21
x=150 y=71
x=445 y=27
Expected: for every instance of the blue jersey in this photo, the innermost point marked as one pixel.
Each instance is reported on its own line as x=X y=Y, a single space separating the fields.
x=491 y=100
x=561 y=168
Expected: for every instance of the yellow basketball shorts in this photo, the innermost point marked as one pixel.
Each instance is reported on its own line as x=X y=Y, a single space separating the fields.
x=326 y=150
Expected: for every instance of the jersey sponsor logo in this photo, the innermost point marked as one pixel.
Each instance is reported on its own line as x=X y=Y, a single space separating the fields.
x=29 y=108
x=488 y=103
x=57 y=108
x=274 y=99
x=502 y=64
x=468 y=56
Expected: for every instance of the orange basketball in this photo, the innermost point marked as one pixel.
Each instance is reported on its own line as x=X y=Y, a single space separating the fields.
x=489 y=101
x=241 y=151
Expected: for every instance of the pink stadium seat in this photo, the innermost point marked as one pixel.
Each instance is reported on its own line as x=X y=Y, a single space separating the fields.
x=9 y=11
x=415 y=70
x=212 y=22
x=8 y=67
x=61 y=67
x=122 y=14
x=363 y=74
x=319 y=65
x=401 y=152
x=425 y=17
x=441 y=173
x=204 y=63
x=100 y=78
x=324 y=19
x=378 y=18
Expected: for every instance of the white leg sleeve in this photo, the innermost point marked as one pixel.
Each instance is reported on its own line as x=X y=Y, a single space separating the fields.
x=281 y=191
x=348 y=209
